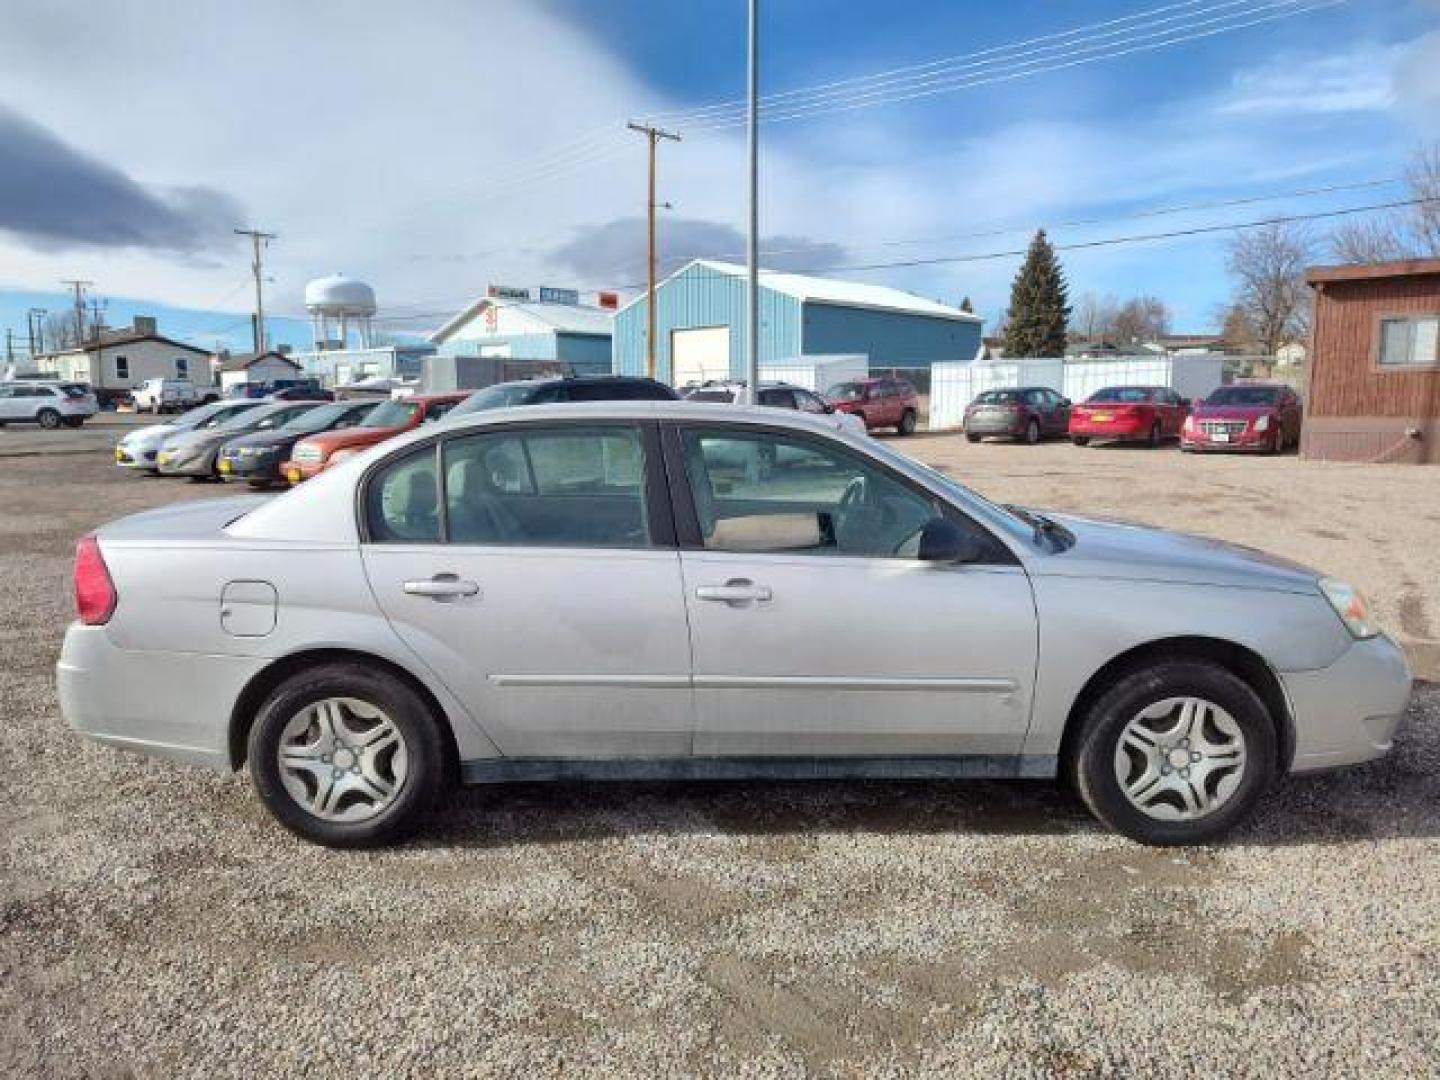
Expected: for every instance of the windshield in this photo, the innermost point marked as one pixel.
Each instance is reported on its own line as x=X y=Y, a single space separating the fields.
x=846 y=391
x=1119 y=393
x=499 y=396
x=1244 y=395
x=243 y=420
x=998 y=397
x=317 y=419
x=393 y=413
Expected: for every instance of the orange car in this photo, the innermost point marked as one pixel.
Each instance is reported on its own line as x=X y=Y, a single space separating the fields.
x=313 y=455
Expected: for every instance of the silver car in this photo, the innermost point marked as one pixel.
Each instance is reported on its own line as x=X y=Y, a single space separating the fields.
x=646 y=590
x=139 y=448
x=194 y=453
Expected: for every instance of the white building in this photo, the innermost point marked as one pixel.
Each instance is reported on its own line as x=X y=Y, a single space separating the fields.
x=268 y=367
x=121 y=360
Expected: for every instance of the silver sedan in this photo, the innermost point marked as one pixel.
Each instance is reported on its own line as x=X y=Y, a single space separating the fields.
x=645 y=590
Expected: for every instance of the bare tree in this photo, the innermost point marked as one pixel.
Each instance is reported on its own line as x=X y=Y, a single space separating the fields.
x=1268 y=266
x=1141 y=318
x=1375 y=241
x=1235 y=329
x=60 y=331
x=1423 y=176
x=1411 y=233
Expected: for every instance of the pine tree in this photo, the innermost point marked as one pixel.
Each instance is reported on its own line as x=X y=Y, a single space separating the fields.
x=967 y=307
x=1039 y=309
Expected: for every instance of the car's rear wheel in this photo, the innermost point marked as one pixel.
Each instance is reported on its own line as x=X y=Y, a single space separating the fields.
x=972 y=438
x=1080 y=440
x=907 y=423
x=1177 y=752
x=48 y=419
x=1032 y=432
x=346 y=756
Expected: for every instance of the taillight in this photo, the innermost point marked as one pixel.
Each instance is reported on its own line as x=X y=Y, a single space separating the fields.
x=95 y=595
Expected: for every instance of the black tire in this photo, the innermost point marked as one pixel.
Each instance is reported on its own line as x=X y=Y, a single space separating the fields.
x=1092 y=763
x=1277 y=444
x=1080 y=440
x=48 y=419
x=1032 y=432
x=1156 y=436
x=907 y=423
x=424 y=747
x=972 y=438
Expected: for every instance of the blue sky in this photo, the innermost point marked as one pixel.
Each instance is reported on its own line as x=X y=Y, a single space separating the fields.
x=471 y=143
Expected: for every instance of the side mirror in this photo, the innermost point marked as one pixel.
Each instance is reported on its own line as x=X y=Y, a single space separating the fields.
x=943 y=541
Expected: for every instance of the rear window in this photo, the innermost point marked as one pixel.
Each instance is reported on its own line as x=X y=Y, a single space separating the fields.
x=1244 y=395
x=998 y=397
x=1119 y=394
x=74 y=390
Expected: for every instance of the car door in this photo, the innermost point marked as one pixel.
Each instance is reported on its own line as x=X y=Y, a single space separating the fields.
x=532 y=567
x=9 y=403
x=814 y=628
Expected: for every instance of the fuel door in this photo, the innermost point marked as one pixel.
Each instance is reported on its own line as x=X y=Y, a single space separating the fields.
x=247 y=608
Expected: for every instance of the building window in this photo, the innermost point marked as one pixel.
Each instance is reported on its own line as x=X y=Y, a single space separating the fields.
x=1410 y=342
x=182 y=367
x=122 y=367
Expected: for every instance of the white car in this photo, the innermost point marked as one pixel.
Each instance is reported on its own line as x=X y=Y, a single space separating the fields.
x=164 y=395
x=595 y=591
x=773 y=395
x=140 y=447
x=51 y=404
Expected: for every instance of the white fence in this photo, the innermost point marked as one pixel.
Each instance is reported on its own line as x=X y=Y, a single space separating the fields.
x=953 y=386
x=817 y=373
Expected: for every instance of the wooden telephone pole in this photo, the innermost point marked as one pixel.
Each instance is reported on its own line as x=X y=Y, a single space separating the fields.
x=258 y=241
x=653 y=135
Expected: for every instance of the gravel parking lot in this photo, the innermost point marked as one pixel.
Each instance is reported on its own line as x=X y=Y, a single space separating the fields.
x=155 y=922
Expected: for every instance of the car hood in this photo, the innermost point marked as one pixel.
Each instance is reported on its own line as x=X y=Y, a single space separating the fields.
x=187 y=440
x=201 y=519
x=330 y=441
x=1106 y=548
x=1231 y=412
x=150 y=432
x=265 y=438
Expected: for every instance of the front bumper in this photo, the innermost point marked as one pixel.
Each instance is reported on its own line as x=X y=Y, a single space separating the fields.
x=249 y=468
x=1347 y=713
x=1247 y=440
x=165 y=704
x=187 y=462
x=136 y=457
x=296 y=472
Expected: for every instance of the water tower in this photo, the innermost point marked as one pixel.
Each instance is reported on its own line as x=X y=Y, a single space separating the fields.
x=339 y=303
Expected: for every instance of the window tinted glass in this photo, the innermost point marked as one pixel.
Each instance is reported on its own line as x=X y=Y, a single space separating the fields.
x=393 y=414
x=437 y=409
x=777 y=399
x=401 y=501
x=725 y=396
x=557 y=487
x=808 y=402
x=846 y=391
x=781 y=493
x=1244 y=395
x=998 y=397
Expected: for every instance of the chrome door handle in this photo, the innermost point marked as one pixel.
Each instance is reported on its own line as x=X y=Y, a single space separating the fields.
x=737 y=592
x=442 y=587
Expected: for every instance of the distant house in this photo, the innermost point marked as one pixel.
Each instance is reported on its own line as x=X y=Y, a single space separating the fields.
x=515 y=327
x=117 y=361
x=1102 y=350
x=268 y=367
x=1373 y=388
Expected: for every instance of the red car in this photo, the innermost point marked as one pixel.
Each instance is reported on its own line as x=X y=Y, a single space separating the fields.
x=314 y=454
x=880 y=402
x=1260 y=417
x=1149 y=414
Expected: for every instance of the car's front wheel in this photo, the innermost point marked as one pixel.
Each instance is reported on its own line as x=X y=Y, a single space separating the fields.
x=907 y=423
x=346 y=756
x=1177 y=752
x=1032 y=432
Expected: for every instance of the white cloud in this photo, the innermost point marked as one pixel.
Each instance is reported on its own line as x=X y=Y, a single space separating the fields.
x=1357 y=80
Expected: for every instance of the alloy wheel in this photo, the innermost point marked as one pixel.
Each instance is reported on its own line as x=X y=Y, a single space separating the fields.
x=1180 y=759
x=343 y=759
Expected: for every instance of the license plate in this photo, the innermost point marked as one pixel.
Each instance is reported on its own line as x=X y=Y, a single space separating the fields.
x=1102 y=417
x=224 y=465
x=1220 y=436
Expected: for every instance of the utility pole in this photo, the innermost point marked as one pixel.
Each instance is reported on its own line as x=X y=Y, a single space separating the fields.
x=9 y=347
x=79 y=287
x=653 y=135
x=752 y=247
x=35 y=323
x=258 y=240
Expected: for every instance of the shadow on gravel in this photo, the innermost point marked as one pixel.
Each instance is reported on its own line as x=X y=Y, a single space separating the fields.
x=1396 y=797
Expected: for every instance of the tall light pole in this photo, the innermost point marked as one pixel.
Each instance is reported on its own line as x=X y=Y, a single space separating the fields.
x=752 y=248
x=653 y=135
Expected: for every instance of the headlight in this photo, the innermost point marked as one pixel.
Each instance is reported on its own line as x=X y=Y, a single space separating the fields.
x=1263 y=424
x=307 y=453
x=1350 y=606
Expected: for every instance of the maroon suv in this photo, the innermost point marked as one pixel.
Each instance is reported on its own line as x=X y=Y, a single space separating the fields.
x=880 y=402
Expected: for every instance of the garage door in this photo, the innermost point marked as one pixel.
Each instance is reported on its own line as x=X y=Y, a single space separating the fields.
x=700 y=355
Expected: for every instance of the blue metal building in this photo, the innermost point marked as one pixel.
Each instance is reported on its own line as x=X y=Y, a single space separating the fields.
x=700 y=316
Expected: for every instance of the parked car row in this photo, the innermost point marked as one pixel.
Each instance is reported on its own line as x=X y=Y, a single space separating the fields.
x=1261 y=417
x=869 y=403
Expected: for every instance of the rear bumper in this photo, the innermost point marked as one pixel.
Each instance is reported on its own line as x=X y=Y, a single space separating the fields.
x=1115 y=429
x=997 y=425
x=1347 y=713
x=165 y=704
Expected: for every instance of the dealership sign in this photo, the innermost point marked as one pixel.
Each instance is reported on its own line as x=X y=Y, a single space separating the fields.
x=507 y=292
x=550 y=295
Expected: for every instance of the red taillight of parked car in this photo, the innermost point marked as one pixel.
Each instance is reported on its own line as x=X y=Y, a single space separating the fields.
x=95 y=595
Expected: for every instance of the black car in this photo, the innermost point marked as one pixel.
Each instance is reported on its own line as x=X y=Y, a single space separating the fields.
x=568 y=388
x=256 y=458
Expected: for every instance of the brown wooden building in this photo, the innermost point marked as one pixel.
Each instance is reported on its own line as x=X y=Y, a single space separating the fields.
x=1373 y=392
